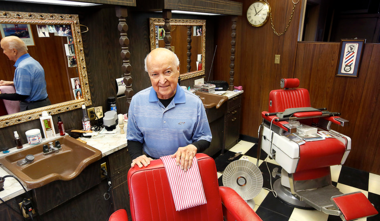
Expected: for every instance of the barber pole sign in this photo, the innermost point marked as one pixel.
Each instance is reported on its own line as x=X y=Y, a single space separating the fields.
x=350 y=54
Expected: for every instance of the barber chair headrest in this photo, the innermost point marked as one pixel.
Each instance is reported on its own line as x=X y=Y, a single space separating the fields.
x=289 y=83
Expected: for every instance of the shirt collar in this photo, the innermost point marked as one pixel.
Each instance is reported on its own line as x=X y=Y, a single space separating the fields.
x=179 y=96
x=23 y=57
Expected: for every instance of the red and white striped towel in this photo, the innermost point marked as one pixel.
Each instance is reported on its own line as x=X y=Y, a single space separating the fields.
x=187 y=187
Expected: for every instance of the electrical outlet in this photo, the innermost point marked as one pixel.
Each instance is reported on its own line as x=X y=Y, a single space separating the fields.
x=103 y=167
x=277 y=59
x=91 y=113
x=24 y=213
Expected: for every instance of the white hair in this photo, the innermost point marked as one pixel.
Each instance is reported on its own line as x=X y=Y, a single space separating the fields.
x=15 y=43
x=176 y=60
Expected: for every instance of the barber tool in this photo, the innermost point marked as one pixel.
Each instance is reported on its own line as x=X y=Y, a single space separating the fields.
x=110 y=120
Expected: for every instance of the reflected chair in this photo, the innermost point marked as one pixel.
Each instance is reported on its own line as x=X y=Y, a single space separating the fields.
x=305 y=176
x=151 y=198
x=11 y=106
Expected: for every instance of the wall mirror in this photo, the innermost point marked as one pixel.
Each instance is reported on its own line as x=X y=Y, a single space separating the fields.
x=188 y=42
x=55 y=41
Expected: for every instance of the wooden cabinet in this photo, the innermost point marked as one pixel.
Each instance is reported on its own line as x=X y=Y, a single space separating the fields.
x=232 y=121
x=119 y=164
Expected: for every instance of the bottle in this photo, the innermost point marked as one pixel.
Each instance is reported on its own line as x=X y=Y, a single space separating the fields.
x=86 y=120
x=47 y=125
x=199 y=62
x=112 y=104
x=61 y=128
x=17 y=140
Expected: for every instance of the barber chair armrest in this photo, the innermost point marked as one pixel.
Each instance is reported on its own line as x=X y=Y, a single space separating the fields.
x=274 y=122
x=337 y=120
x=119 y=215
x=235 y=208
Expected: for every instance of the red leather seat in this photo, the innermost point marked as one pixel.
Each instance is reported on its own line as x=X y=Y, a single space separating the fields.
x=151 y=198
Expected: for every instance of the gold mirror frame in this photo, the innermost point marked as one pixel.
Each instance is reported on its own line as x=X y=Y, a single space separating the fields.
x=7 y=17
x=153 y=22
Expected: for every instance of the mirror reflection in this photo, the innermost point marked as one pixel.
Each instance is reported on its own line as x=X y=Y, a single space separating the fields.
x=45 y=70
x=187 y=36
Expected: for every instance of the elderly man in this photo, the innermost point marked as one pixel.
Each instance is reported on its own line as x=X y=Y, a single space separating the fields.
x=29 y=79
x=165 y=119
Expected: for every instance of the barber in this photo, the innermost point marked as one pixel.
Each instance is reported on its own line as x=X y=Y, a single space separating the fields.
x=165 y=119
x=29 y=78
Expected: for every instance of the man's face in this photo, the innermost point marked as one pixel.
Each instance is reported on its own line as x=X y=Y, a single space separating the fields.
x=10 y=53
x=163 y=73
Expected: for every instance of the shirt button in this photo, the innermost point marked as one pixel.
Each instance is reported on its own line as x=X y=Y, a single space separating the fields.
x=164 y=122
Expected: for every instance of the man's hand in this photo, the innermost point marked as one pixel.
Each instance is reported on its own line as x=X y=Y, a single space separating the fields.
x=3 y=83
x=141 y=160
x=184 y=156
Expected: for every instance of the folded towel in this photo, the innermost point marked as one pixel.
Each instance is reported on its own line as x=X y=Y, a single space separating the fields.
x=186 y=187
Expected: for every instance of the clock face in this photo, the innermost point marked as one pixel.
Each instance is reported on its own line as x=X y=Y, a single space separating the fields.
x=258 y=13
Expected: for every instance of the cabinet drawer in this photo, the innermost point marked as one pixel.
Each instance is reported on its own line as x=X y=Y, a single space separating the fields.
x=233 y=103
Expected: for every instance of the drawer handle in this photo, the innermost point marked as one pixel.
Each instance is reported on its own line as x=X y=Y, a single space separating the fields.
x=233 y=119
x=234 y=112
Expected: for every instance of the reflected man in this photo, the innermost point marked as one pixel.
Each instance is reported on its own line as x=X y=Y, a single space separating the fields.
x=29 y=78
x=165 y=119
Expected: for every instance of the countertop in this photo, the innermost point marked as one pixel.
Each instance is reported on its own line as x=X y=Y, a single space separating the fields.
x=107 y=143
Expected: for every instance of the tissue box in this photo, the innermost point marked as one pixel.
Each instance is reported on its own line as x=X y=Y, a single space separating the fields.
x=305 y=130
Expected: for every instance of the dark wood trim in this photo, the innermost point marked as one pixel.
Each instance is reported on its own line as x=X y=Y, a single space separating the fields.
x=122 y=14
x=189 y=48
x=232 y=58
x=167 y=15
x=249 y=138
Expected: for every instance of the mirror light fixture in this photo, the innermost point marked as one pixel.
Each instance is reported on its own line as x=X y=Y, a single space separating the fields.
x=56 y=2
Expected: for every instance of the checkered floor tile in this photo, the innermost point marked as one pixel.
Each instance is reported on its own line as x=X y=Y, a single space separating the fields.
x=270 y=208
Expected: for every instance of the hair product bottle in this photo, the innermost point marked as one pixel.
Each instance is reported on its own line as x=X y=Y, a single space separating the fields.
x=17 y=140
x=61 y=128
x=47 y=125
x=85 y=120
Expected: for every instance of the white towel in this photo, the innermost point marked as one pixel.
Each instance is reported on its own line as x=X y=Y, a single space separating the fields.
x=187 y=187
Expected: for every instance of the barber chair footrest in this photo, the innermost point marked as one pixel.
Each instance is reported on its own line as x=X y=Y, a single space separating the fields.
x=354 y=206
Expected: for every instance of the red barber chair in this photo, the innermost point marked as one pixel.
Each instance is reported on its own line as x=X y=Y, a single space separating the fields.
x=151 y=198
x=305 y=176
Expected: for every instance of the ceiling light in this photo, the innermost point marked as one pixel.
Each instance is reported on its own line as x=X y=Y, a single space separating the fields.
x=56 y=2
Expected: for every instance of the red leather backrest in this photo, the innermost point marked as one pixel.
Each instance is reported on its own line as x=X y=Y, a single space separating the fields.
x=280 y=100
x=151 y=198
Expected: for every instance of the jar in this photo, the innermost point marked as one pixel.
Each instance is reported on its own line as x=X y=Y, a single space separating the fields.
x=33 y=136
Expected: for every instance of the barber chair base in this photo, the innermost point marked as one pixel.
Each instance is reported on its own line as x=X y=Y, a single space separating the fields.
x=284 y=194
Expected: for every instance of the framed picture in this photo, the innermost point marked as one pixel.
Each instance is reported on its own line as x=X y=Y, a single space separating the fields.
x=197 y=30
x=42 y=31
x=350 y=55
x=22 y=31
x=75 y=83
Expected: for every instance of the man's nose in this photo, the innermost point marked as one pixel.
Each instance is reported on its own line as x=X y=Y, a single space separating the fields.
x=162 y=79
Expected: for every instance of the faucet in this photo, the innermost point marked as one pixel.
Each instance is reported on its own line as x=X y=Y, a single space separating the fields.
x=51 y=149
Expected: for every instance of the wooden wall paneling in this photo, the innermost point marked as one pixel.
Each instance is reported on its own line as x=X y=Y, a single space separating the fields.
x=102 y=51
x=365 y=151
x=255 y=50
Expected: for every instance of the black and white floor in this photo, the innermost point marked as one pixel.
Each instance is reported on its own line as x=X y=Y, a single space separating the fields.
x=270 y=208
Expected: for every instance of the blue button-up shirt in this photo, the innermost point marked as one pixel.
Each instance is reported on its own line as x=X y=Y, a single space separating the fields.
x=163 y=130
x=29 y=78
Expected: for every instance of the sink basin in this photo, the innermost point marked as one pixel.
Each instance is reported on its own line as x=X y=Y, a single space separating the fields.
x=211 y=100
x=66 y=164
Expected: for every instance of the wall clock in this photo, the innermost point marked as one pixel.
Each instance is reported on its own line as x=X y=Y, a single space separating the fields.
x=258 y=13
